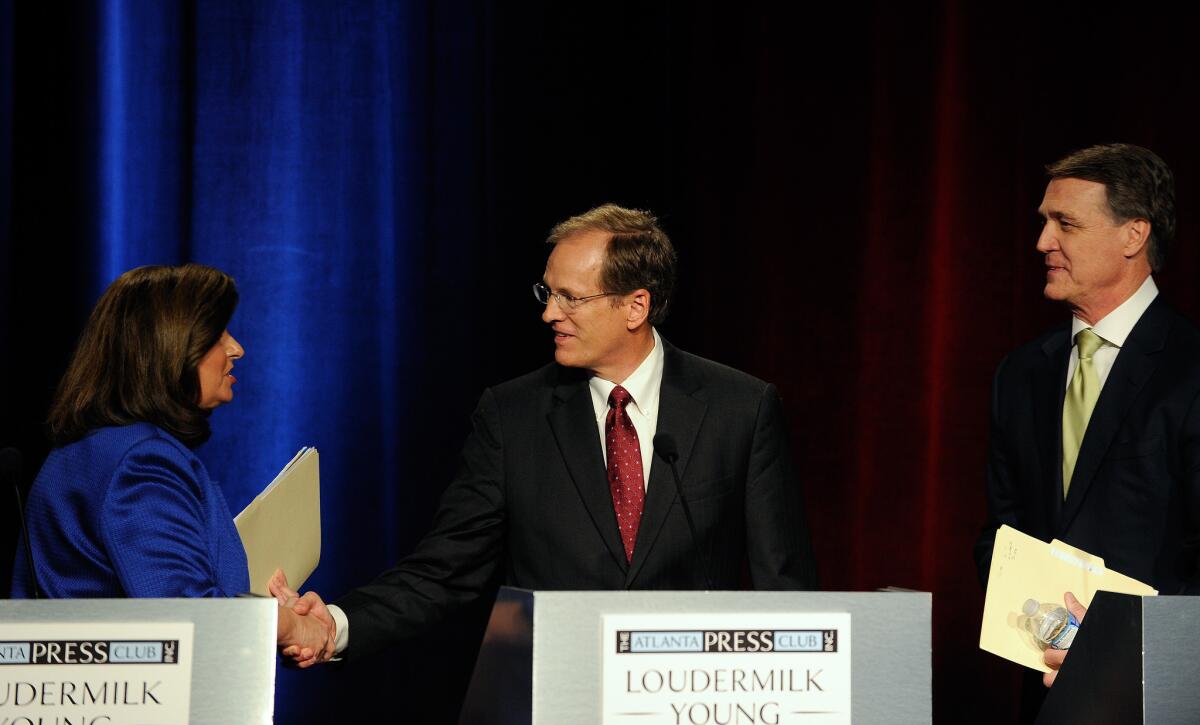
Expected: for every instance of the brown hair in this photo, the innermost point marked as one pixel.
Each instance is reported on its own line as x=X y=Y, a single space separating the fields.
x=1138 y=183
x=137 y=356
x=639 y=254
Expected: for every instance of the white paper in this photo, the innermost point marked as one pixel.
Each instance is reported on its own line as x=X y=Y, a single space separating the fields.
x=99 y=672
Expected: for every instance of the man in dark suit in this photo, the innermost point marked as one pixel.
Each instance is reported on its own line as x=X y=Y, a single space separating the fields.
x=553 y=491
x=1095 y=434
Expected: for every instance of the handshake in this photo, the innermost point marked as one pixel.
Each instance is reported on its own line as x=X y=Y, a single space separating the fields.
x=306 y=633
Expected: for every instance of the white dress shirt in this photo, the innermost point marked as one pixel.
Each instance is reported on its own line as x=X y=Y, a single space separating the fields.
x=644 y=385
x=1113 y=329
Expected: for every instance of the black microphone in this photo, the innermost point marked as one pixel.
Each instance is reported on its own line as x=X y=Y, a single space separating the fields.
x=10 y=470
x=664 y=446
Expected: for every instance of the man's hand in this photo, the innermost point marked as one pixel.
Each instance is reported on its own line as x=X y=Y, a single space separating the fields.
x=306 y=631
x=1055 y=657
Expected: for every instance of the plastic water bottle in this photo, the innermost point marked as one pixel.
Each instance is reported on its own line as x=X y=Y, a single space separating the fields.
x=1050 y=624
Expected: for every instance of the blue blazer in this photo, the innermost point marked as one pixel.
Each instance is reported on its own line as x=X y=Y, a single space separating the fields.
x=129 y=512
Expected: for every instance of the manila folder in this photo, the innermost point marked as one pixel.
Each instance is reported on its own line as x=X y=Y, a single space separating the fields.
x=1024 y=567
x=281 y=528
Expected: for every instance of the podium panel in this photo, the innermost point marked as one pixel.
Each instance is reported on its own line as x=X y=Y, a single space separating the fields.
x=233 y=657
x=1170 y=626
x=1131 y=662
x=542 y=656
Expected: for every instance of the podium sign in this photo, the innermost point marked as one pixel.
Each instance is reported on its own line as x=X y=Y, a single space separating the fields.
x=116 y=674
x=726 y=668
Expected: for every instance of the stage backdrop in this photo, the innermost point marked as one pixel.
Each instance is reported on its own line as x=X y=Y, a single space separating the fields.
x=852 y=194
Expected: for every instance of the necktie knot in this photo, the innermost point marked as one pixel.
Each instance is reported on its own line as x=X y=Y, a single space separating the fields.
x=619 y=398
x=1088 y=342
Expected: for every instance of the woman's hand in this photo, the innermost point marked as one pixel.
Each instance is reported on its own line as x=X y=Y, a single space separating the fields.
x=305 y=632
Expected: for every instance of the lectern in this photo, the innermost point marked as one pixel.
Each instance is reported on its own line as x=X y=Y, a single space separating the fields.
x=704 y=657
x=120 y=660
x=1132 y=661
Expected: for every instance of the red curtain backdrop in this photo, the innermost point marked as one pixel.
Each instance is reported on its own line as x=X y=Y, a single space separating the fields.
x=868 y=233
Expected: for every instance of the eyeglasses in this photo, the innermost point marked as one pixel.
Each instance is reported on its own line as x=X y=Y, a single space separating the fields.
x=564 y=300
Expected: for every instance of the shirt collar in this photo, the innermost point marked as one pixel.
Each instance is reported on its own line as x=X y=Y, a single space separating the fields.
x=644 y=384
x=1116 y=325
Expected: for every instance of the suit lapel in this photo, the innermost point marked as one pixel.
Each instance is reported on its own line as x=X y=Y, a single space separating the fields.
x=1133 y=367
x=573 y=420
x=681 y=409
x=1049 y=393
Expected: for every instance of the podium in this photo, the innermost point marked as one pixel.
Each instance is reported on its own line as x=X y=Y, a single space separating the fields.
x=232 y=656
x=542 y=657
x=1132 y=661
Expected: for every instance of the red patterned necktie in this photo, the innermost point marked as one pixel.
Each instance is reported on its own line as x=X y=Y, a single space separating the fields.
x=625 y=479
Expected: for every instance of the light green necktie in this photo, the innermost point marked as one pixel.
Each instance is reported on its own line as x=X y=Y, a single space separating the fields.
x=1080 y=400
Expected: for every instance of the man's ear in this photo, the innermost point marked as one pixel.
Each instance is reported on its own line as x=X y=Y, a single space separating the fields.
x=1137 y=236
x=637 y=309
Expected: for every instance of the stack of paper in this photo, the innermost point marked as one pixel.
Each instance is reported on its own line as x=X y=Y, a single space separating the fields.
x=281 y=528
x=1027 y=568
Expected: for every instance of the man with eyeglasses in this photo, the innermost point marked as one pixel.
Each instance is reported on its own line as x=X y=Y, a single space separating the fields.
x=560 y=487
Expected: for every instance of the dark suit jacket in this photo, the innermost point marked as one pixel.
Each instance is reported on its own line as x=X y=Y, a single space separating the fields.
x=1135 y=496
x=531 y=501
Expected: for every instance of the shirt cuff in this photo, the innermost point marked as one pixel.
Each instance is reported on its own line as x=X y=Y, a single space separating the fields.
x=342 y=625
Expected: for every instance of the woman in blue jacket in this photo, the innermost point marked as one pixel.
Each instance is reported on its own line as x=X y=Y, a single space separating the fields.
x=122 y=507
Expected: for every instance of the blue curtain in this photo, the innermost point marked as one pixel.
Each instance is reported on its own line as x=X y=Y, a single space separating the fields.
x=273 y=141
x=295 y=146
